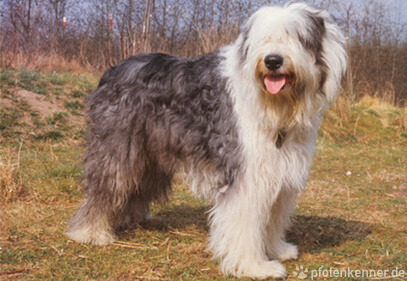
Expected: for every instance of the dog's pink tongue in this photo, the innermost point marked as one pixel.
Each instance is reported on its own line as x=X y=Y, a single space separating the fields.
x=274 y=84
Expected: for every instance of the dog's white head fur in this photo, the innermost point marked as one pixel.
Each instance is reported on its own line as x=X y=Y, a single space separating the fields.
x=294 y=57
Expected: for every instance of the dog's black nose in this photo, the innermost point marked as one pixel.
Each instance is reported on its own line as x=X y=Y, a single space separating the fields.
x=273 y=62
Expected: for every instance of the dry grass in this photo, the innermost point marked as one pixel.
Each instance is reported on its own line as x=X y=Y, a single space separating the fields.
x=48 y=63
x=11 y=184
x=352 y=214
x=363 y=121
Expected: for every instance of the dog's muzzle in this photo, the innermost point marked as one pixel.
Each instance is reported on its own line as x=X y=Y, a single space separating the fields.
x=277 y=78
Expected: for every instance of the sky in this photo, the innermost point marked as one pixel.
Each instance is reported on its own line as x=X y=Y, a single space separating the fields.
x=397 y=8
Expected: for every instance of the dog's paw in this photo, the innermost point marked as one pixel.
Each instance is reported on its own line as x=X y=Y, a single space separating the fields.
x=289 y=252
x=270 y=269
x=284 y=251
x=258 y=270
x=89 y=236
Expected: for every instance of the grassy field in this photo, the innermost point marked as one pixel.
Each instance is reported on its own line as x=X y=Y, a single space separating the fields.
x=353 y=214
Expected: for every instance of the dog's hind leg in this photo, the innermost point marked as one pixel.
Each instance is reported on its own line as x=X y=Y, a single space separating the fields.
x=107 y=193
x=92 y=223
x=110 y=178
x=136 y=211
x=153 y=186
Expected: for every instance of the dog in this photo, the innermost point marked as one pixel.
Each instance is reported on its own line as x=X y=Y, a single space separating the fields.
x=241 y=122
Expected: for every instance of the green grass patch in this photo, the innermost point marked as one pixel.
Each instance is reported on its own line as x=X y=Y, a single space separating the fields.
x=74 y=106
x=6 y=77
x=47 y=84
x=53 y=134
x=57 y=118
x=32 y=81
x=9 y=121
x=77 y=94
x=55 y=79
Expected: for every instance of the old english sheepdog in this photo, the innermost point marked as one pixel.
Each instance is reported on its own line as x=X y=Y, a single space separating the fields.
x=241 y=121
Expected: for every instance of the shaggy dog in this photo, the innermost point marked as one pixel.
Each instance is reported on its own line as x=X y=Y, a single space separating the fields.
x=241 y=121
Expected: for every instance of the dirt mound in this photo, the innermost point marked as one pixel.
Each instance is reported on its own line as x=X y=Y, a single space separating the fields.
x=39 y=103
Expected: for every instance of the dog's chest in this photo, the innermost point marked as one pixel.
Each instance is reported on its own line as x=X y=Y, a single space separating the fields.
x=284 y=160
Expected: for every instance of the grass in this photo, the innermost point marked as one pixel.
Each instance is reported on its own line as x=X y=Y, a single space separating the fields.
x=352 y=214
x=73 y=106
x=31 y=81
x=9 y=120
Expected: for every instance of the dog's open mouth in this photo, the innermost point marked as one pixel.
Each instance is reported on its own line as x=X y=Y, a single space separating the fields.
x=274 y=83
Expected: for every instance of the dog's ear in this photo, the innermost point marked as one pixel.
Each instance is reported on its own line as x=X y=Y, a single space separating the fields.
x=243 y=40
x=325 y=40
x=335 y=58
x=315 y=31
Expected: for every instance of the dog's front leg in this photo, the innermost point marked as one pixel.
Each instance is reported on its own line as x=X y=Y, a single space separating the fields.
x=237 y=236
x=279 y=221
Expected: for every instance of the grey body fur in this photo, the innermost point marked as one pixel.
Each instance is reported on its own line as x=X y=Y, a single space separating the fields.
x=150 y=114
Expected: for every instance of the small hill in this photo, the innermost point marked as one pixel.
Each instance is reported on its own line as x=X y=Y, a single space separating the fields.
x=35 y=105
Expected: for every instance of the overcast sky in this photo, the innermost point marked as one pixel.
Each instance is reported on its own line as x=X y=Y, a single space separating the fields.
x=397 y=8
